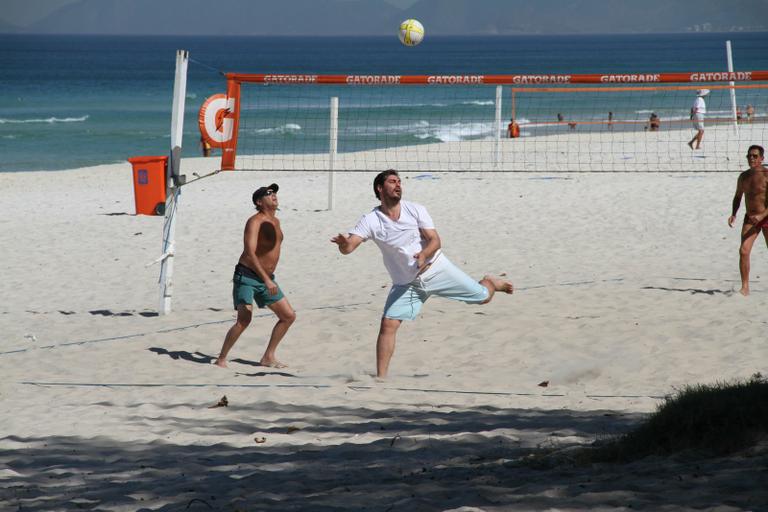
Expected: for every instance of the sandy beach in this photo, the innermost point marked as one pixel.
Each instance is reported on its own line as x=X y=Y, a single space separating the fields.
x=625 y=291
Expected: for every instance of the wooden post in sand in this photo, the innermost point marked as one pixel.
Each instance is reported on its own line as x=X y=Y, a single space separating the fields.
x=173 y=182
x=733 y=90
x=333 y=146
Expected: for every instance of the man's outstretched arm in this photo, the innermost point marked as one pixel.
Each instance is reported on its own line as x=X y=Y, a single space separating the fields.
x=347 y=243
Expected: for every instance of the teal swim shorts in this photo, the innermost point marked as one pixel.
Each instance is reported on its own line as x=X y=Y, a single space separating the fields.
x=249 y=289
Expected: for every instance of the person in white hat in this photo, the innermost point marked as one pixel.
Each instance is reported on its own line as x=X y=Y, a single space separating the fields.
x=698 y=110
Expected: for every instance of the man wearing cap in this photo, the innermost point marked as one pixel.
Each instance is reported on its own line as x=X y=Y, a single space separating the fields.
x=698 y=110
x=411 y=249
x=254 y=278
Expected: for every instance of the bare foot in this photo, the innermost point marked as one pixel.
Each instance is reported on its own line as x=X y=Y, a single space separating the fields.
x=500 y=285
x=274 y=363
x=221 y=363
x=690 y=144
x=744 y=292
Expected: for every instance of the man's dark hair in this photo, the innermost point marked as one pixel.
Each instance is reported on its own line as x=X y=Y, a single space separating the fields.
x=759 y=148
x=380 y=178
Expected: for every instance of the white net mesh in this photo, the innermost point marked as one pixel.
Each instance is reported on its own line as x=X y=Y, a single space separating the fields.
x=564 y=128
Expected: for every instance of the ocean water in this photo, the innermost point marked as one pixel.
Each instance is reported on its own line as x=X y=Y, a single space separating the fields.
x=74 y=101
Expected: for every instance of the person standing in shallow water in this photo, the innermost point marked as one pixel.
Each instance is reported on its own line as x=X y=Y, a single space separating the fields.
x=411 y=248
x=753 y=185
x=254 y=277
x=513 y=129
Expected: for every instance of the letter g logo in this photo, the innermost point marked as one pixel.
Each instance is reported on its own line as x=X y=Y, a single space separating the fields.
x=215 y=127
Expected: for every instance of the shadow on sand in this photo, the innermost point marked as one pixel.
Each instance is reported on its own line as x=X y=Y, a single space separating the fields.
x=197 y=357
x=692 y=291
x=429 y=459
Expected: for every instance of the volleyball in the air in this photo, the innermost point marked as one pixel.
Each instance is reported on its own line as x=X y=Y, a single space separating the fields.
x=411 y=32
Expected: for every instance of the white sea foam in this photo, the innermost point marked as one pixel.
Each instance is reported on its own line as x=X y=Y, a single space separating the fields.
x=683 y=114
x=47 y=120
x=403 y=128
x=286 y=128
x=460 y=131
x=424 y=130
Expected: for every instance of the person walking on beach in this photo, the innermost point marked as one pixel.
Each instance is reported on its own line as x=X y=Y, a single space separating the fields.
x=411 y=249
x=753 y=185
x=254 y=278
x=698 y=110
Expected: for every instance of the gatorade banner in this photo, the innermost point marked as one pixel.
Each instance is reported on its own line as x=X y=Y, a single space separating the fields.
x=215 y=125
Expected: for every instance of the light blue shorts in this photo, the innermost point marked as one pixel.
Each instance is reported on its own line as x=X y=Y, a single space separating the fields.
x=443 y=279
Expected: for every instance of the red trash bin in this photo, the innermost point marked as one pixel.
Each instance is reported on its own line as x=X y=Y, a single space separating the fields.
x=149 y=184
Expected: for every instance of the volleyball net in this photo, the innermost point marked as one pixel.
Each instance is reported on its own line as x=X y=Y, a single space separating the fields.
x=534 y=123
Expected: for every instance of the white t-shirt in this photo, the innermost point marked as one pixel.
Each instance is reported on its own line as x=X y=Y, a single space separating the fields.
x=398 y=240
x=699 y=107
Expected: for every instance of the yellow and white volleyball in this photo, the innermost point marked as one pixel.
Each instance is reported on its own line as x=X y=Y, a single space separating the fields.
x=411 y=32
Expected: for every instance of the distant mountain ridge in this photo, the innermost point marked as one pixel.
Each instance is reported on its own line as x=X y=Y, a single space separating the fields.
x=377 y=17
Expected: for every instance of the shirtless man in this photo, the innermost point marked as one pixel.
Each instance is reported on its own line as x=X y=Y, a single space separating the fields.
x=753 y=184
x=254 y=278
x=411 y=248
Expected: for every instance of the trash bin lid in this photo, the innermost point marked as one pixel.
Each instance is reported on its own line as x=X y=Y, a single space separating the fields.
x=146 y=159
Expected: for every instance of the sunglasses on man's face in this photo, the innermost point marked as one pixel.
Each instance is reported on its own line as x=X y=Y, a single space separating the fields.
x=269 y=192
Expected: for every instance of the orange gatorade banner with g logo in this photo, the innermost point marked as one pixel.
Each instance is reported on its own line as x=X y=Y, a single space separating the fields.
x=215 y=125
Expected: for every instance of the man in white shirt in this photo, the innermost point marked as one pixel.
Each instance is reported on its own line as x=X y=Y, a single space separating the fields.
x=698 y=110
x=410 y=247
